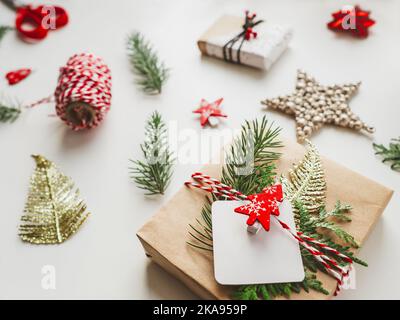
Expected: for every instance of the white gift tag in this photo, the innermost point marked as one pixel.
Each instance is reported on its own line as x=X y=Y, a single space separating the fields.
x=241 y=257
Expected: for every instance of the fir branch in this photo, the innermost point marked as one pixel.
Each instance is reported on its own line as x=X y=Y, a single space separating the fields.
x=249 y=167
x=339 y=232
x=345 y=250
x=308 y=260
x=250 y=161
x=339 y=212
x=271 y=291
x=154 y=173
x=203 y=227
x=9 y=112
x=4 y=30
x=311 y=282
x=249 y=292
x=309 y=223
x=151 y=73
x=390 y=154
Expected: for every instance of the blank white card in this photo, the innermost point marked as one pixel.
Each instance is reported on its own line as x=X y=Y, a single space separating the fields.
x=244 y=258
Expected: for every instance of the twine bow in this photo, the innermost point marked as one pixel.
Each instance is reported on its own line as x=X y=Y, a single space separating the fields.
x=245 y=35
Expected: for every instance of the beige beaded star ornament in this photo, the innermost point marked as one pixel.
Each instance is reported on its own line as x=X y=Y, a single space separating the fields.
x=314 y=105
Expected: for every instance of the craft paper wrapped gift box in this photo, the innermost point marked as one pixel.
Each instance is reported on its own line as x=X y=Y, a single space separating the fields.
x=260 y=52
x=164 y=237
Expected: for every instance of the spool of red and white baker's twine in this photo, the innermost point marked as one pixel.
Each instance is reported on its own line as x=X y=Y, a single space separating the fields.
x=214 y=186
x=83 y=92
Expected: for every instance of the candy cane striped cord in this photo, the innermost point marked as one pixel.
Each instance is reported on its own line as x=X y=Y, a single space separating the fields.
x=85 y=78
x=210 y=180
x=215 y=190
x=83 y=89
x=229 y=191
x=219 y=189
x=326 y=247
x=327 y=262
x=41 y=101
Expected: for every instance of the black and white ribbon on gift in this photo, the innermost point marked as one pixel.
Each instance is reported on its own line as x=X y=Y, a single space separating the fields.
x=245 y=35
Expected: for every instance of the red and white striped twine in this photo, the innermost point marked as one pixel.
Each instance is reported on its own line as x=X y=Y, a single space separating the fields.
x=330 y=265
x=85 y=78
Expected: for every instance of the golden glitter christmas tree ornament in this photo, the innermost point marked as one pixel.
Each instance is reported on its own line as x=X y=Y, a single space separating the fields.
x=53 y=211
x=306 y=183
x=314 y=105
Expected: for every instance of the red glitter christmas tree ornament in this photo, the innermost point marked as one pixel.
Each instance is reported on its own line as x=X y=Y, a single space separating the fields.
x=351 y=19
x=13 y=77
x=262 y=205
x=209 y=110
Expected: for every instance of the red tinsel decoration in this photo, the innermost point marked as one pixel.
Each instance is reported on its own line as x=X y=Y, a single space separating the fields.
x=352 y=20
x=35 y=18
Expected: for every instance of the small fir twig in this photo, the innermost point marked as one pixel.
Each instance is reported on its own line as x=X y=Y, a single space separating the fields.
x=249 y=167
x=390 y=154
x=154 y=173
x=202 y=232
x=309 y=223
x=4 y=30
x=9 y=111
x=271 y=291
x=151 y=73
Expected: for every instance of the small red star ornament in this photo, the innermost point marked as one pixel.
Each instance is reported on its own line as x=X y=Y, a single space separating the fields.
x=262 y=205
x=351 y=19
x=209 y=112
x=13 y=77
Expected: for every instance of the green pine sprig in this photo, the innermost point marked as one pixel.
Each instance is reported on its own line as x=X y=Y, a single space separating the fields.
x=390 y=154
x=325 y=221
x=272 y=291
x=202 y=232
x=250 y=160
x=9 y=112
x=4 y=30
x=249 y=167
x=151 y=73
x=265 y=141
x=155 y=172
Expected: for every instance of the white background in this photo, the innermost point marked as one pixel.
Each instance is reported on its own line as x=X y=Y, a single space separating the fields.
x=105 y=259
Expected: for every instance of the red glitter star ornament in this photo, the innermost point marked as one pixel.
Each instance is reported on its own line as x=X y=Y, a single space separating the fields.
x=351 y=19
x=209 y=110
x=13 y=77
x=262 y=205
